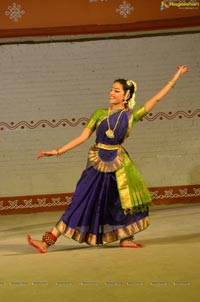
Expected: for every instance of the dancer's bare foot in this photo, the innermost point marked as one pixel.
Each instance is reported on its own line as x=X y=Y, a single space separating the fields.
x=129 y=242
x=38 y=244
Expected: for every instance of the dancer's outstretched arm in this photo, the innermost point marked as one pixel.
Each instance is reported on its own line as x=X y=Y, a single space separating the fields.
x=86 y=133
x=150 y=104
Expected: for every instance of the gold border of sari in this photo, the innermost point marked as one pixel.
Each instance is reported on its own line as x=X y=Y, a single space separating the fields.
x=130 y=196
x=106 y=238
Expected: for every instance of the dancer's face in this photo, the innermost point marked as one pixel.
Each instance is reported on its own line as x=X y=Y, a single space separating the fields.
x=117 y=94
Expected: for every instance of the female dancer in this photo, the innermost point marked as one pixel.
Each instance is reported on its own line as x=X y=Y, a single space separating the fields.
x=111 y=199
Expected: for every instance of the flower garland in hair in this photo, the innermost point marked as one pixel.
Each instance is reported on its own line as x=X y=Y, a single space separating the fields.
x=131 y=102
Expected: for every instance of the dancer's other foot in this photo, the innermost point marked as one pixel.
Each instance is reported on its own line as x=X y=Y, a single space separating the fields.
x=129 y=243
x=37 y=244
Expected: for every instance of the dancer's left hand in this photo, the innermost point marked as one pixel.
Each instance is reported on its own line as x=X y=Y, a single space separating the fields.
x=181 y=70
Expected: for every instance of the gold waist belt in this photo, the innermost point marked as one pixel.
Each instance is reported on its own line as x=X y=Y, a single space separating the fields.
x=105 y=166
x=107 y=147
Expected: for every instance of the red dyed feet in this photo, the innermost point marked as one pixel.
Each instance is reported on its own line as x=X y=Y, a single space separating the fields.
x=134 y=246
x=129 y=243
x=37 y=244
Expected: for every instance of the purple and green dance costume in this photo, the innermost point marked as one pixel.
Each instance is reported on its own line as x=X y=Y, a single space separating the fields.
x=111 y=199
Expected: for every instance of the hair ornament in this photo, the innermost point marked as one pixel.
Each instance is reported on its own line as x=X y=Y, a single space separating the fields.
x=131 y=102
x=132 y=83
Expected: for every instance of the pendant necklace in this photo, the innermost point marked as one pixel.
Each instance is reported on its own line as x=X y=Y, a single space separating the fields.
x=110 y=132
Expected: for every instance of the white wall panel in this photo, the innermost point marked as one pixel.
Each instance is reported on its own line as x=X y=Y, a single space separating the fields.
x=66 y=80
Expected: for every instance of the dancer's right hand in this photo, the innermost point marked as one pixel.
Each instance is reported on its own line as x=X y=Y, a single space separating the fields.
x=47 y=153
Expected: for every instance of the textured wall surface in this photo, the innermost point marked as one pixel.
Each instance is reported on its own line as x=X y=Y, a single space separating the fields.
x=47 y=92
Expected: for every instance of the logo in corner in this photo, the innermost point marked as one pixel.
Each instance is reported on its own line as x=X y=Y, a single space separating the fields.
x=180 y=4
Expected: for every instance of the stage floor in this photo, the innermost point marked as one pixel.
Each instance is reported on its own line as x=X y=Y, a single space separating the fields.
x=166 y=269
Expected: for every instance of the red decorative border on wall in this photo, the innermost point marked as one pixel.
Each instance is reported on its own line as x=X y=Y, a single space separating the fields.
x=58 y=202
x=43 y=123
x=171 y=116
x=83 y=120
x=175 y=194
x=34 y=203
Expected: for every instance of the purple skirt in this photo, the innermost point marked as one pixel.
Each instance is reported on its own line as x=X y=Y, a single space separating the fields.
x=95 y=215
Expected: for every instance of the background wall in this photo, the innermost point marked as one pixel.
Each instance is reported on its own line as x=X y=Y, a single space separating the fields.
x=47 y=17
x=49 y=90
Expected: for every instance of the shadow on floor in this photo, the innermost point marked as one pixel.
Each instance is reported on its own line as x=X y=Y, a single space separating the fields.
x=24 y=249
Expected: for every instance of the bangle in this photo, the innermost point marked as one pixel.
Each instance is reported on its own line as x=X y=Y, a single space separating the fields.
x=171 y=83
x=58 y=152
